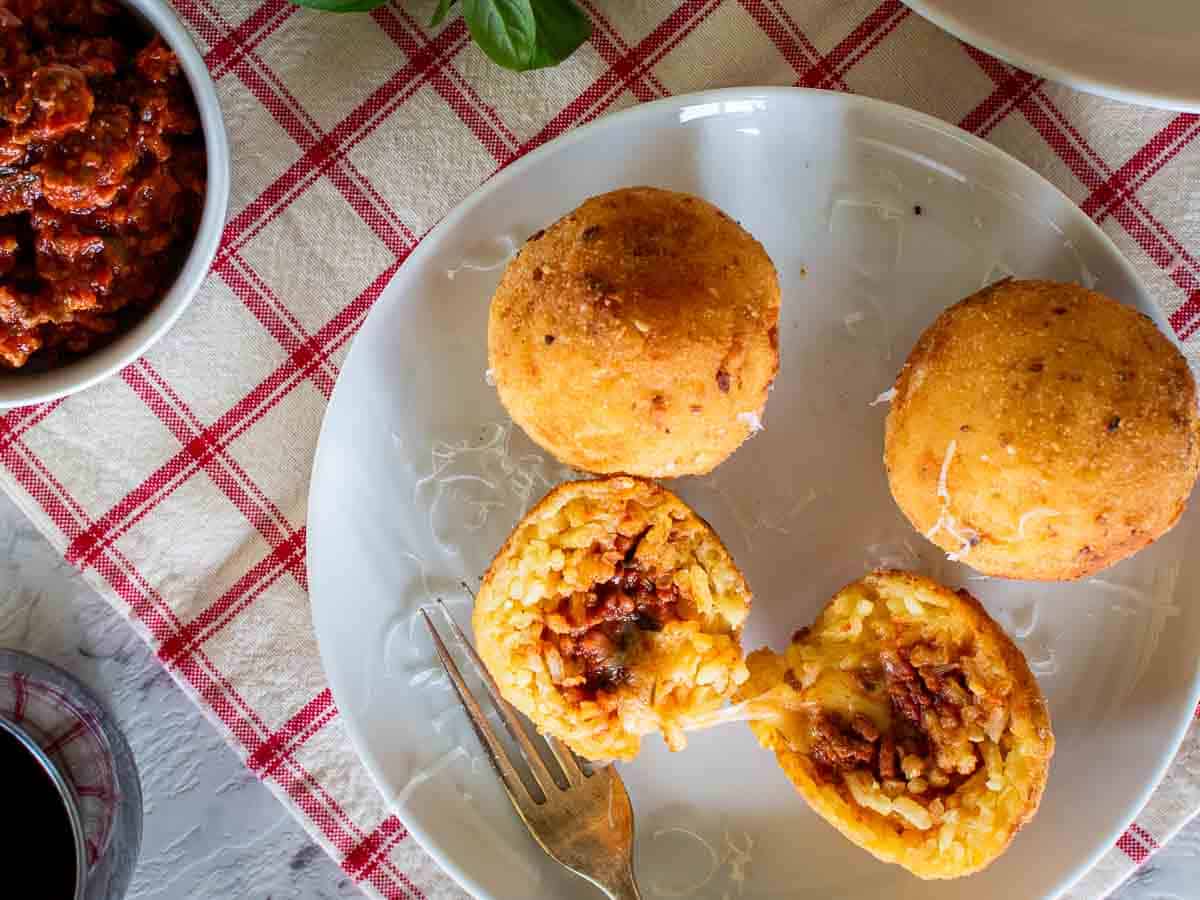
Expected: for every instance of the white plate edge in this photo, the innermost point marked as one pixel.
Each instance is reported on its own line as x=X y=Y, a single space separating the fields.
x=514 y=170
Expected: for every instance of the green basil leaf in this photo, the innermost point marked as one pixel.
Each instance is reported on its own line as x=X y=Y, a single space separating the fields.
x=439 y=14
x=341 y=6
x=561 y=28
x=504 y=29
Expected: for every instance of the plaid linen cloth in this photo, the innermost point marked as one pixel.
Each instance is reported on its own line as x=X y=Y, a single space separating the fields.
x=179 y=486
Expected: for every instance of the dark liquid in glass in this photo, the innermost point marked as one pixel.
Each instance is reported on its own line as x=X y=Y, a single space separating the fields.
x=37 y=844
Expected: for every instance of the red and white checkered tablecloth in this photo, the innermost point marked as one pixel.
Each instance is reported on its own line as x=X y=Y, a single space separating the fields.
x=179 y=486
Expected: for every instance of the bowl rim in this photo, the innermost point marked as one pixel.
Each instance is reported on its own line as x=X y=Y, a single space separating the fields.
x=17 y=389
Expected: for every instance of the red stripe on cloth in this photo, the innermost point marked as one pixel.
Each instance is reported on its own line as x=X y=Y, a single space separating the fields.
x=1062 y=144
x=327 y=151
x=792 y=43
x=392 y=832
x=410 y=237
x=377 y=215
x=265 y=306
x=869 y=33
x=87 y=544
x=1163 y=248
x=610 y=45
x=1085 y=163
x=142 y=605
x=15 y=459
x=389 y=890
x=1132 y=216
x=1010 y=92
x=17 y=421
x=74 y=516
x=322 y=158
x=287 y=556
x=270 y=91
x=484 y=131
x=212 y=687
x=322 y=152
x=495 y=137
x=201 y=451
x=299 y=785
x=486 y=109
x=270 y=309
x=1145 y=836
x=361 y=861
x=1087 y=166
x=278 y=744
x=1157 y=152
x=20 y=697
x=286 y=114
x=1166 y=249
x=253 y=30
x=250 y=499
x=92 y=790
x=305 y=791
x=1069 y=127
x=647 y=65
x=447 y=67
x=249 y=730
x=602 y=92
x=312 y=798
x=1137 y=843
x=812 y=68
x=84 y=549
x=789 y=40
x=65 y=738
x=130 y=584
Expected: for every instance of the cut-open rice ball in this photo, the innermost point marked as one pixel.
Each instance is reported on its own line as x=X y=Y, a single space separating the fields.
x=909 y=721
x=613 y=611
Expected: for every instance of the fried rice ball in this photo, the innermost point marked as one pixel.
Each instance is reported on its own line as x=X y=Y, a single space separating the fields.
x=612 y=612
x=1043 y=431
x=909 y=721
x=637 y=335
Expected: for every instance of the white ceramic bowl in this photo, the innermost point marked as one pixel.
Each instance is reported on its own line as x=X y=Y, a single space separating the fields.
x=19 y=389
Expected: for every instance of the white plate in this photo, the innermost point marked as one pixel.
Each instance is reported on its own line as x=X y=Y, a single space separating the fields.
x=830 y=184
x=1139 y=51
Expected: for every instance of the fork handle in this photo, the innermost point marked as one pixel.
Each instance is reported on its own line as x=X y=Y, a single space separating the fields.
x=622 y=886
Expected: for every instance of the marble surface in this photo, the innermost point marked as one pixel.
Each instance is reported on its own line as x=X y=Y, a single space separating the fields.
x=211 y=830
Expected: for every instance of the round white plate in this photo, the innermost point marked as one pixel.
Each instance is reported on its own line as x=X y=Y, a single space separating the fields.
x=1139 y=51
x=419 y=477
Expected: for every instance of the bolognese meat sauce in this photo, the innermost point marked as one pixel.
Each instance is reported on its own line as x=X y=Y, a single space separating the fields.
x=600 y=627
x=937 y=723
x=102 y=176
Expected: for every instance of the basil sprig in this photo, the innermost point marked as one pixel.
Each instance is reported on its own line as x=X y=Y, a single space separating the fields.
x=516 y=34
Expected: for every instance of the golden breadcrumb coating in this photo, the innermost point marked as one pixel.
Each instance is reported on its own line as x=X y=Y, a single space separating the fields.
x=909 y=721
x=612 y=612
x=638 y=334
x=1043 y=431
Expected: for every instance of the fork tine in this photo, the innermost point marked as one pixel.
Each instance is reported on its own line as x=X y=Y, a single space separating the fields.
x=566 y=761
x=513 y=785
x=541 y=773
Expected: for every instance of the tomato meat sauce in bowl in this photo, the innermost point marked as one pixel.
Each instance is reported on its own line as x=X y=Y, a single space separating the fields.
x=113 y=187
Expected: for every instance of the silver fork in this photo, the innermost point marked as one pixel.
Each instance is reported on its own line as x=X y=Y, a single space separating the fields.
x=583 y=820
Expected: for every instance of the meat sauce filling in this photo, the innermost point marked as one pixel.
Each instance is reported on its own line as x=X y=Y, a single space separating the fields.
x=102 y=176
x=601 y=628
x=936 y=725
